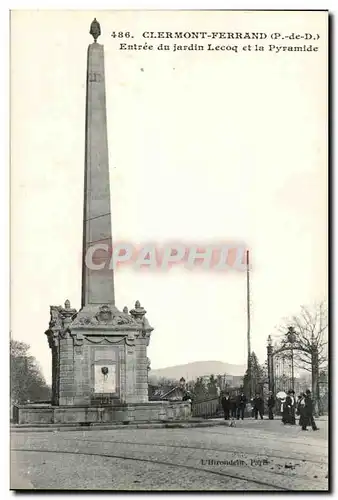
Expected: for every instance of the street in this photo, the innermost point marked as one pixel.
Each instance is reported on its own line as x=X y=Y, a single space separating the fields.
x=254 y=455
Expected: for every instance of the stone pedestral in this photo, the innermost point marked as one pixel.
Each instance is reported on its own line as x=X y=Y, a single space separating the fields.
x=100 y=370
x=99 y=355
x=155 y=411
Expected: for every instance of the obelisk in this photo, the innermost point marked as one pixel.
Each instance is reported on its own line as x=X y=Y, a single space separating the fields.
x=97 y=284
x=99 y=354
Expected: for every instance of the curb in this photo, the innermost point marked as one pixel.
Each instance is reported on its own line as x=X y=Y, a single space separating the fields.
x=166 y=425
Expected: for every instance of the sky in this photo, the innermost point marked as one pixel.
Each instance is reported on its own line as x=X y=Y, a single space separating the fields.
x=203 y=146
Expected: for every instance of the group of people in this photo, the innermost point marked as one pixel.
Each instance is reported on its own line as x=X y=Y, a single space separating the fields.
x=303 y=407
x=234 y=407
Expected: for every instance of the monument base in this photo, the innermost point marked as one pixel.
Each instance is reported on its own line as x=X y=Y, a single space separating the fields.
x=152 y=411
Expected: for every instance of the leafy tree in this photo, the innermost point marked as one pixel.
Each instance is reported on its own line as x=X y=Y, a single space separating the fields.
x=212 y=386
x=200 y=390
x=254 y=378
x=163 y=382
x=27 y=381
x=221 y=381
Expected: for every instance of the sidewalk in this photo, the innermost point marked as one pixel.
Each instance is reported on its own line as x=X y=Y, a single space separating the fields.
x=192 y=422
x=145 y=425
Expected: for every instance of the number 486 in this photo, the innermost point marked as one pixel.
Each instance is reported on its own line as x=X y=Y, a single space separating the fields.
x=120 y=34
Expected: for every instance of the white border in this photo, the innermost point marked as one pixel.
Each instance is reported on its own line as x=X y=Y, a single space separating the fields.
x=5 y=6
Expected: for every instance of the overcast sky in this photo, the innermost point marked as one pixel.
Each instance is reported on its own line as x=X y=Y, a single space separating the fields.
x=202 y=146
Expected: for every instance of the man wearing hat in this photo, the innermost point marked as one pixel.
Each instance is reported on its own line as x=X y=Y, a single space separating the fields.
x=308 y=413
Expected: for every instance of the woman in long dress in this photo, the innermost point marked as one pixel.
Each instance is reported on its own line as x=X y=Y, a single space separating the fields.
x=287 y=415
x=284 y=411
x=301 y=409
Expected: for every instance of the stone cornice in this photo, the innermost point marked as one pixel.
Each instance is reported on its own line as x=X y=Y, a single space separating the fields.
x=101 y=321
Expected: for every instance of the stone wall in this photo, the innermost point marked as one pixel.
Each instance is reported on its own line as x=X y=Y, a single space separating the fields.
x=75 y=377
x=156 y=411
x=66 y=371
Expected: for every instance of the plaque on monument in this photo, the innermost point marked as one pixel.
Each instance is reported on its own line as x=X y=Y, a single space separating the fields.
x=105 y=379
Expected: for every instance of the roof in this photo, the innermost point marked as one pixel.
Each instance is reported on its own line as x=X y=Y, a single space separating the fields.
x=165 y=392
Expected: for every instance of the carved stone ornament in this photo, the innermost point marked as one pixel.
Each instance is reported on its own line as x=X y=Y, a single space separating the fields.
x=77 y=338
x=138 y=312
x=85 y=321
x=60 y=319
x=106 y=315
x=55 y=322
x=93 y=339
x=130 y=340
x=95 y=29
x=53 y=338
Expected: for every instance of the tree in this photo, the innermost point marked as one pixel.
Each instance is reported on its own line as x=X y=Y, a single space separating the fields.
x=309 y=342
x=27 y=381
x=254 y=377
x=221 y=381
x=163 y=382
x=212 y=387
x=310 y=328
x=200 y=390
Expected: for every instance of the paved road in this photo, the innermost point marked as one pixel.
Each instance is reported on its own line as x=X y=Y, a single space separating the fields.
x=255 y=455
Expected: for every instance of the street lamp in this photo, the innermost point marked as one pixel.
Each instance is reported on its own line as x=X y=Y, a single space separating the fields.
x=291 y=338
x=270 y=364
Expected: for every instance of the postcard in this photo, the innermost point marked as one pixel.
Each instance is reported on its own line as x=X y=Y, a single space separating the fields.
x=169 y=250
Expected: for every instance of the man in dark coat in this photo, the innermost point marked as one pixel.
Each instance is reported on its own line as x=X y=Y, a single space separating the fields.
x=308 y=413
x=226 y=405
x=258 y=404
x=271 y=405
x=288 y=408
x=233 y=406
x=241 y=404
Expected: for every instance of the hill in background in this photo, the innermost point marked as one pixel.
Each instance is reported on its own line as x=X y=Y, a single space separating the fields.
x=191 y=371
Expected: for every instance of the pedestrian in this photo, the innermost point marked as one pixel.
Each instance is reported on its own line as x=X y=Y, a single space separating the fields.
x=300 y=408
x=226 y=405
x=252 y=404
x=283 y=410
x=271 y=405
x=233 y=406
x=258 y=403
x=287 y=410
x=293 y=407
x=308 y=413
x=241 y=404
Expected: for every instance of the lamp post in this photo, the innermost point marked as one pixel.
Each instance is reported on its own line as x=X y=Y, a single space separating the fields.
x=291 y=338
x=270 y=364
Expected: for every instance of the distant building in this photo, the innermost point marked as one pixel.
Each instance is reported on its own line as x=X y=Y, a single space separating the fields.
x=165 y=393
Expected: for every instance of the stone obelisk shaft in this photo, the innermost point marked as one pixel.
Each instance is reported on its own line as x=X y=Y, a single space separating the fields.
x=97 y=285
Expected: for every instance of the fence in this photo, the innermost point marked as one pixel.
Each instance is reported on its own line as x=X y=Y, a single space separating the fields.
x=207 y=409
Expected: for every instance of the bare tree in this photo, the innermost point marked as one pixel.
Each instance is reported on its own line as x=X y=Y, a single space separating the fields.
x=305 y=338
x=310 y=336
